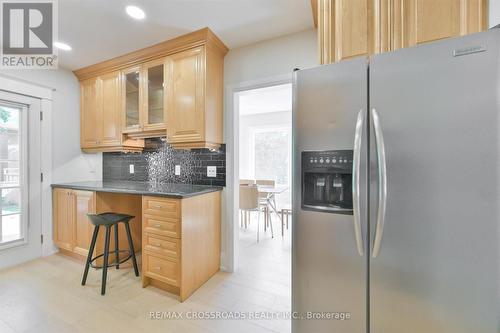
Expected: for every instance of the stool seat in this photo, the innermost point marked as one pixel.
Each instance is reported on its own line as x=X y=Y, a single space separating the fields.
x=108 y=220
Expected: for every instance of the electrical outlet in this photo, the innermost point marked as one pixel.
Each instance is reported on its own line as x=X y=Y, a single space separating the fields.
x=177 y=170
x=131 y=168
x=211 y=171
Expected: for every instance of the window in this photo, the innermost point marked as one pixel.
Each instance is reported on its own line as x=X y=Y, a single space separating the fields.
x=12 y=142
x=272 y=154
x=272 y=158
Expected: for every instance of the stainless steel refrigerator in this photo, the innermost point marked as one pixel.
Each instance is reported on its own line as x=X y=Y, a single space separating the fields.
x=396 y=191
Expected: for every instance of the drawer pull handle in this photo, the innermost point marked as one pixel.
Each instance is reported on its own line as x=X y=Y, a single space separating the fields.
x=156 y=206
x=158 y=268
x=159 y=245
x=158 y=226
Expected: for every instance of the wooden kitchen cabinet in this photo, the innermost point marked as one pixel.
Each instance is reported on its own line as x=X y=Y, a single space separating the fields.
x=63 y=218
x=194 y=97
x=185 y=94
x=83 y=202
x=181 y=239
x=100 y=115
x=131 y=82
x=89 y=114
x=72 y=229
x=172 y=89
x=154 y=98
x=351 y=28
x=421 y=21
x=108 y=87
x=144 y=100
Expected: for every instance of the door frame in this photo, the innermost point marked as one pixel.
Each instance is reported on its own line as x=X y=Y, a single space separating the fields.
x=230 y=236
x=13 y=85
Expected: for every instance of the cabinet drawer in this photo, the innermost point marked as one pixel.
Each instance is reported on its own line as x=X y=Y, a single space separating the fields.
x=161 y=207
x=164 y=246
x=162 y=226
x=166 y=270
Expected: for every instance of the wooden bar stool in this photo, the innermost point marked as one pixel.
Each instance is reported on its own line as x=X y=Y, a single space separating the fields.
x=109 y=220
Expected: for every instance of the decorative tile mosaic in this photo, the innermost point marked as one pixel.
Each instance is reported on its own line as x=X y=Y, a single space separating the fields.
x=157 y=165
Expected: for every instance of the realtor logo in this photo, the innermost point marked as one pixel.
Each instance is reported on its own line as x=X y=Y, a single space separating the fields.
x=28 y=33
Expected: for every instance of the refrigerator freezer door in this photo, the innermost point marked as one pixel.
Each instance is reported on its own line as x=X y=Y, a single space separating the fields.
x=329 y=275
x=438 y=107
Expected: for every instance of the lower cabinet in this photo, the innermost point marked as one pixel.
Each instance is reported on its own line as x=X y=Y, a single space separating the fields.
x=72 y=229
x=83 y=203
x=63 y=219
x=181 y=239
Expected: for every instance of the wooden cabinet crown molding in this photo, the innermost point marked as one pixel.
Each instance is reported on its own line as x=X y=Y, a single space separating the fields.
x=184 y=42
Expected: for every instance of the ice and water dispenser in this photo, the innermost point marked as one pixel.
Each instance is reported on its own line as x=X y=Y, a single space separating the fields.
x=327 y=181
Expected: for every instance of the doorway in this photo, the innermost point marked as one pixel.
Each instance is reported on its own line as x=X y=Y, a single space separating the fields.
x=264 y=136
x=20 y=179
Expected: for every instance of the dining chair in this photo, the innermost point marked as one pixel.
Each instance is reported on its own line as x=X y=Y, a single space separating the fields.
x=249 y=202
x=244 y=216
x=286 y=213
x=264 y=200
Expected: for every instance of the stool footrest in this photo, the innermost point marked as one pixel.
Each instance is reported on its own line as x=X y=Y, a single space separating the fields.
x=114 y=263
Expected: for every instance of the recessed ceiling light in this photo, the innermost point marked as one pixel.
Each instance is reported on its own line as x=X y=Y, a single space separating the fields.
x=62 y=46
x=135 y=12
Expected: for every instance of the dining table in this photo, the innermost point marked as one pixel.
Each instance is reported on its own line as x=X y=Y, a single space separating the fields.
x=271 y=191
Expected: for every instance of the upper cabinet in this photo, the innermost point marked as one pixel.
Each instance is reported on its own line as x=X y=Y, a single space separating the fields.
x=131 y=82
x=108 y=86
x=350 y=28
x=143 y=93
x=100 y=115
x=154 y=99
x=421 y=21
x=194 y=97
x=89 y=104
x=185 y=96
x=172 y=89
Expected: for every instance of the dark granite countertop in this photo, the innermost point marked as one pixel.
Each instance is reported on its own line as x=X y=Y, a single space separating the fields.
x=142 y=188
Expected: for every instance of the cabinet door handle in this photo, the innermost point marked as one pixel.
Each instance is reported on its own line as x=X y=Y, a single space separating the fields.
x=158 y=268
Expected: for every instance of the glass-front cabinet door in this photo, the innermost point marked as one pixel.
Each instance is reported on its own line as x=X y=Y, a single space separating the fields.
x=154 y=95
x=131 y=83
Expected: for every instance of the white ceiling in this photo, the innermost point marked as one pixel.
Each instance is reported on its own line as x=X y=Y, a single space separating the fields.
x=100 y=29
x=265 y=100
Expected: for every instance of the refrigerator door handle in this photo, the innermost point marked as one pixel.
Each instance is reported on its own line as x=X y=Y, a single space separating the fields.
x=382 y=180
x=356 y=164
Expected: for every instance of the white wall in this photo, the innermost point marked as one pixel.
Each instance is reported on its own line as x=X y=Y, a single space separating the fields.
x=271 y=58
x=494 y=13
x=68 y=162
x=249 y=67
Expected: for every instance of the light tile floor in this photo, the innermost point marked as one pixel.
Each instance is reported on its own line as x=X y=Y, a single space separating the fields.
x=45 y=295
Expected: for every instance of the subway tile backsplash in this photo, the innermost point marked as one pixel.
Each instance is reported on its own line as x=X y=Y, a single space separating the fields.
x=157 y=164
